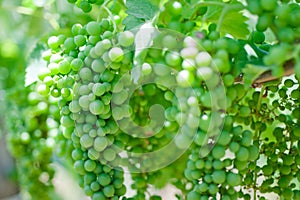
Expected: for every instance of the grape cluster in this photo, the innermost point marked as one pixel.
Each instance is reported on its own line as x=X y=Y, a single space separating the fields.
x=31 y=138
x=82 y=71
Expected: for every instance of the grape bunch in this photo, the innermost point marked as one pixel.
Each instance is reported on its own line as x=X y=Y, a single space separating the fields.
x=82 y=70
x=32 y=133
x=190 y=108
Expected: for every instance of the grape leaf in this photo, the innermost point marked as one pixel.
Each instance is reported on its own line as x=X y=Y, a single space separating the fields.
x=132 y=22
x=138 y=12
x=188 y=11
x=233 y=22
x=35 y=64
x=141 y=9
x=252 y=72
x=32 y=71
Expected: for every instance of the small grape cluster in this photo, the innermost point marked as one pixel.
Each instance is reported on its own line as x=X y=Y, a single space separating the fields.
x=86 y=5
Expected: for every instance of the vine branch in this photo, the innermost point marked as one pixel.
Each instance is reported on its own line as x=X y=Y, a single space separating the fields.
x=267 y=76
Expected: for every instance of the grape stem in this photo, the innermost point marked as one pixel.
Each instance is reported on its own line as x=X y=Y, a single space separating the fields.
x=112 y=18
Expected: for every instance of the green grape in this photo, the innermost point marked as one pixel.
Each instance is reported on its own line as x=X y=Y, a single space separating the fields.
x=285 y=170
x=242 y=154
x=126 y=38
x=175 y=8
x=69 y=44
x=217 y=164
x=253 y=153
x=79 y=40
x=185 y=78
x=109 y=154
x=203 y=59
x=218 y=152
x=53 y=42
x=193 y=195
x=76 y=28
x=269 y=5
x=258 y=37
x=224 y=138
x=116 y=54
x=173 y=59
x=296 y=131
x=218 y=176
x=90 y=165
x=254 y=6
x=233 y=179
x=264 y=21
x=96 y=107
x=76 y=64
x=84 y=101
x=109 y=190
x=213 y=189
x=85 y=74
x=100 y=143
x=86 y=141
x=93 y=28
x=288 y=159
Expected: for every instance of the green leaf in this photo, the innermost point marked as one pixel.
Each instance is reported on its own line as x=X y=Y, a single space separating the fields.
x=252 y=72
x=32 y=71
x=233 y=21
x=36 y=63
x=188 y=11
x=141 y=9
x=132 y=22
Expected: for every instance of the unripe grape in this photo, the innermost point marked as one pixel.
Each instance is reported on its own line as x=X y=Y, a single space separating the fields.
x=79 y=40
x=193 y=195
x=219 y=176
x=85 y=6
x=116 y=54
x=269 y=5
x=53 y=42
x=96 y=107
x=242 y=154
x=233 y=179
x=126 y=38
x=185 y=78
x=176 y=8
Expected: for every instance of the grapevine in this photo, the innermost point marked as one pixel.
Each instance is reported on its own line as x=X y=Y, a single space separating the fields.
x=201 y=95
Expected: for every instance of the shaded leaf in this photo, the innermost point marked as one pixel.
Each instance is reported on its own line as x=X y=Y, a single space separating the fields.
x=252 y=72
x=233 y=22
x=36 y=63
x=141 y=9
x=132 y=22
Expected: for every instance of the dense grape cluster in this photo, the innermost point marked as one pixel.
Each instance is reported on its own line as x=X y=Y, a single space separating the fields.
x=82 y=70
